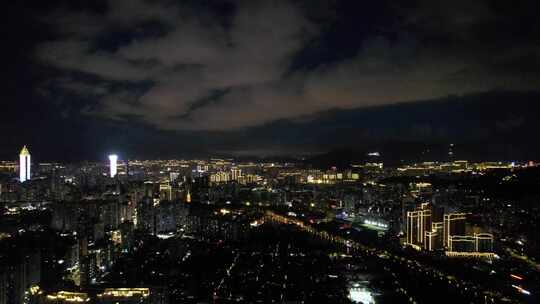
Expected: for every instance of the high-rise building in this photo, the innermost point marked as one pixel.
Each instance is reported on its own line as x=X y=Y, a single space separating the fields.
x=461 y=243
x=407 y=204
x=19 y=273
x=113 y=159
x=454 y=224
x=434 y=238
x=477 y=243
x=165 y=190
x=235 y=173
x=418 y=223
x=484 y=242
x=24 y=165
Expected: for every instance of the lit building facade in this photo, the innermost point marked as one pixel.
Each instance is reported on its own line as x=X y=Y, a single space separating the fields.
x=461 y=243
x=479 y=242
x=61 y=297
x=165 y=191
x=235 y=173
x=454 y=224
x=434 y=238
x=483 y=242
x=24 y=165
x=418 y=223
x=124 y=295
x=113 y=165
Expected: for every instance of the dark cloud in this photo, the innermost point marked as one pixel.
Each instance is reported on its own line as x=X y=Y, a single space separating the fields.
x=429 y=50
x=197 y=68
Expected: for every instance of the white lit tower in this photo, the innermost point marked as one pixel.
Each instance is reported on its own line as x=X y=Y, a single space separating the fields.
x=113 y=164
x=24 y=165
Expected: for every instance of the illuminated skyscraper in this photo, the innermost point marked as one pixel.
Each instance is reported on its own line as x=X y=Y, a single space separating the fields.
x=454 y=224
x=24 y=165
x=434 y=238
x=113 y=159
x=418 y=223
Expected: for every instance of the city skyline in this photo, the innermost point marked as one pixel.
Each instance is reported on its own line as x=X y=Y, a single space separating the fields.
x=144 y=233
x=270 y=151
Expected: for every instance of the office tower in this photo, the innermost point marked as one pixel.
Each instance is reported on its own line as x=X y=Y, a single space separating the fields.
x=454 y=225
x=113 y=159
x=418 y=223
x=24 y=165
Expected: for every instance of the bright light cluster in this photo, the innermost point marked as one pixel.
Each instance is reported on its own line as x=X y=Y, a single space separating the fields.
x=113 y=159
x=66 y=296
x=24 y=165
x=376 y=224
x=359 y=294
x=125 y=292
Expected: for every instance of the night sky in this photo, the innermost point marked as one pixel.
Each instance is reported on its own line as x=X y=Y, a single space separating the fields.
x=159 y=79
